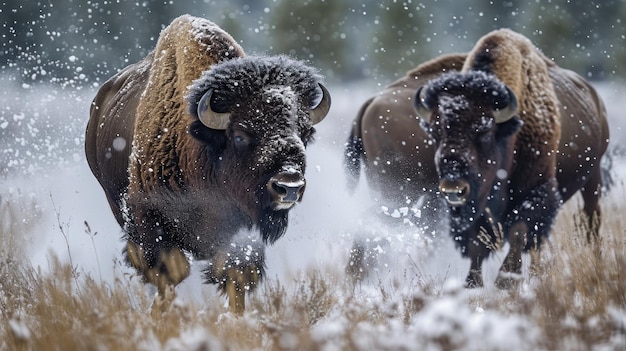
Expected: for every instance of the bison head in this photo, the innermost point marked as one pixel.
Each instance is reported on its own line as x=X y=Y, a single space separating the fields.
x=256 y=116
x=472 y=119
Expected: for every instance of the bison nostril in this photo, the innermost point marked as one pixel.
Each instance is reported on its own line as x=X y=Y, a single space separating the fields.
x=287 y=191
x=279 y=189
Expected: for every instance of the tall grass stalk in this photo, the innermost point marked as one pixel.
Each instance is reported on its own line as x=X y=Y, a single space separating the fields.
x=576 y=302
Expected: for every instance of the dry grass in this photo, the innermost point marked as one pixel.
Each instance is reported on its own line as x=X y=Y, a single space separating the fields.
x=577 y=303
x=585 y=284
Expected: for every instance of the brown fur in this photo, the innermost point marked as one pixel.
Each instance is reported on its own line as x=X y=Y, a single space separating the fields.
x=441 y=64
x=135 y=177
x=182 y=55
x=117 y=99
x=524 y=69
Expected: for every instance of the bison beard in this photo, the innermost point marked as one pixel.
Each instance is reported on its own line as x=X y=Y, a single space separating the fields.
x=272 y=223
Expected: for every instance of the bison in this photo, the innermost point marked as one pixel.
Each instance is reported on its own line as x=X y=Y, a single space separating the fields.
x=507 y=137
x=197 y=144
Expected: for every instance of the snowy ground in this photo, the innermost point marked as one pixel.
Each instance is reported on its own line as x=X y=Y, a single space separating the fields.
x=320 y=231
x=52 y=169
x=42 y=138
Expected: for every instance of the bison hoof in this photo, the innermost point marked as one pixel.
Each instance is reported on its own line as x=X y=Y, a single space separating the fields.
x=234 y=280
x=507 y=281
x=474 y=280
x=171 y=268
x=238 y=281
x=363 y=259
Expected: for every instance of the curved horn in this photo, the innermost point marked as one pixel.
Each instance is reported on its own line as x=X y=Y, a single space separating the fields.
x=209 y=117
x=419 y=104
x=320 y=111
x=508 y=111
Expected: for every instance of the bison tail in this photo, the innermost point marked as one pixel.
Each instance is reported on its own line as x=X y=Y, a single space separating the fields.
x=352 y=159
x=354 y=151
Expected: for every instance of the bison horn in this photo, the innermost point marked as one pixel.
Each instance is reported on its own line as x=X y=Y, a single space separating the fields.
x=208 y=116
x=320 y=111
x=419 y=104
x=506 y=112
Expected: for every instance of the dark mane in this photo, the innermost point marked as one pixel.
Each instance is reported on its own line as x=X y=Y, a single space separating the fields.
x=243 y=77
x=474 y=85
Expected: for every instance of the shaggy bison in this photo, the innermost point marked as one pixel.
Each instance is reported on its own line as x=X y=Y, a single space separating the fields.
x=196 y=144
x=513 y=136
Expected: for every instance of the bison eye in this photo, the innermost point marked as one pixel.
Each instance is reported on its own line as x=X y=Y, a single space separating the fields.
x=242 y=139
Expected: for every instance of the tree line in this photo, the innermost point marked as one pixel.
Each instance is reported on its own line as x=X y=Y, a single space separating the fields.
x=83 y=42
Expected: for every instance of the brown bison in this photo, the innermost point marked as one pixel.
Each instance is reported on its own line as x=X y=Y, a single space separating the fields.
x=196 y=144
x=397 y=153
x=508 y=138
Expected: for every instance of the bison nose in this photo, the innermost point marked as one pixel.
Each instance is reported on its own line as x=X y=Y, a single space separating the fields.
x=454 y=191
x=286 y=191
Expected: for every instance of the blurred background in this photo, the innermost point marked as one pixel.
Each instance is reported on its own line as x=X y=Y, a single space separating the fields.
x=77 y=42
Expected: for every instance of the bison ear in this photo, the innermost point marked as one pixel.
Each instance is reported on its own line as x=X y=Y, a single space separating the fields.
x=504 y=113
x=210 y=114
x=319 y=111
x=419 y=104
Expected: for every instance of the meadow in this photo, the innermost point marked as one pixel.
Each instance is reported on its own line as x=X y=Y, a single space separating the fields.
x=63 y=285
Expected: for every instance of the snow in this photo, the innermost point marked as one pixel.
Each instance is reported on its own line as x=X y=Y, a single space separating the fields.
x=75 y=224
x=196 y=339
x=450 y=106
x=19 y=329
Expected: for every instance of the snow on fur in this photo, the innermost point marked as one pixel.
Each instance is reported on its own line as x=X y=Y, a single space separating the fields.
x=237 y=79
x=468 y=85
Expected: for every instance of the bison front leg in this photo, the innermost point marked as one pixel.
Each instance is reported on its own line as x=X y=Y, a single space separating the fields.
x=511 y=271
x=477 y=252
x=238 y=281
x=164 y=268
x=235 y=276
x=528 y=224
x=476 y=244
x=591 y=193
x=153 y=252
